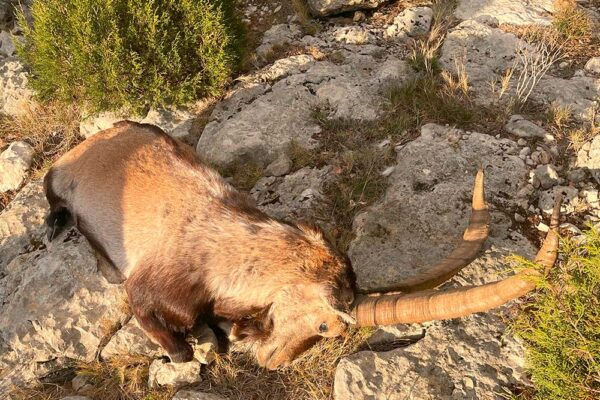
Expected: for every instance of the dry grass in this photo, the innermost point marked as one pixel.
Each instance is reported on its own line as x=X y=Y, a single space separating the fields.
x=307 y=23
x=425 y=51
x=237 y=377
x=52 y=129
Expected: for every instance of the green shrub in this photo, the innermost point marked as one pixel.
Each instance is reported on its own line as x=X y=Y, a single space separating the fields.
x=561 y=328
x=134 y=54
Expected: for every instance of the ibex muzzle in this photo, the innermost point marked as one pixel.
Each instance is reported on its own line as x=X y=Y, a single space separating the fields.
x=192 y=248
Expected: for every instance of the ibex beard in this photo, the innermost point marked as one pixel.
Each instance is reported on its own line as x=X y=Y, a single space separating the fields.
x=191 y=248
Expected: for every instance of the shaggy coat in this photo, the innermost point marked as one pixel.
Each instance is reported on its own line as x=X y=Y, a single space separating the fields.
x=191 y=247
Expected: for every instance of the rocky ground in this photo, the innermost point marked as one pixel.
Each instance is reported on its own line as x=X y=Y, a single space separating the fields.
x=55 y=306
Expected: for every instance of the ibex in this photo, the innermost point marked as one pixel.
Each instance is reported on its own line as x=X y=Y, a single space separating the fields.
x=191 y=248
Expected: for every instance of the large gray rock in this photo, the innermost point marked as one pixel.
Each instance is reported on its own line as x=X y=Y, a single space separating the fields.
x=580 y=94
x=486 y=52
x=470 y=358
x=14 y=164
x=15 y=96
x=262 y=130
x=427 y=206
x=589 y=157
x=22 y=223
x=322 y=8
x=420 y=218
x=56 y=307
x=257 y=122
x=295 y=196
x=515 y=12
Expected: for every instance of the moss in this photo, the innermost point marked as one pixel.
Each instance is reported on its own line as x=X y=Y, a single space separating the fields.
x=561 y=327
x=131 y=54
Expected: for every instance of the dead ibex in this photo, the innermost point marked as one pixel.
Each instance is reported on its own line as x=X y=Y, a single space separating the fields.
x=191 y=248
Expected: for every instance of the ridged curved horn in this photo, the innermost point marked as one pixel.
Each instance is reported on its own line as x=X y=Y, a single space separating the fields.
x=435 y=305
x=463 y=254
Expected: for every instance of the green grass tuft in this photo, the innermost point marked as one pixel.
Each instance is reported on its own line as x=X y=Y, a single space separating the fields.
x=130 y=54
x=561 y=328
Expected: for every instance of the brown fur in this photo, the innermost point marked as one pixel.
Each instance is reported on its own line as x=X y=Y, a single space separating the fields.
x=191 y=246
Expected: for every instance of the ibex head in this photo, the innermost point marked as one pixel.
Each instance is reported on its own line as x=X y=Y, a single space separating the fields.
x=327 y=310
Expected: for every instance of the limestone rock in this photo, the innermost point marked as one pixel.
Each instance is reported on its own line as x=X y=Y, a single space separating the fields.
x=467 y=358
x=569 y=195
x=486 y=52
x=296 y=196
x=193 y=395
x=14 y=164
x=15 y=96
x=175 y=123
x=546 y=176
x=163 y=373
x=589 y=157
x=277 y=36
x=279 y=167
x=56 y=306
x=22 y=223
x=93 y=124
x=7 y=46
x=519 y=126
x=427 y=204
x=131 y=339
x=253 y=135
x=593 y=65
x=415 y=21
x=323 y=8
x=352 y=35
x=580 y=94
x=286 y=66
x=516 y=12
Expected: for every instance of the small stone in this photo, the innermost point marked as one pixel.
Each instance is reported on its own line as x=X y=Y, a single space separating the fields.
x=468 y=382
x=570 y=228
x=519 y=126
x=205 y=344
x=163 y=373
x=542 y=227
x=524 y=153
x=388 y=171
x=547 y=176
x=521 y=142
x=415 y=21
x=14 y=163
x=589 y=157
x=80 y=383
x=576 y=175
x=193 y=395
x=593 y=65
x=281 y=166
x=569 y=195
x=519 y=218
x=359 y=16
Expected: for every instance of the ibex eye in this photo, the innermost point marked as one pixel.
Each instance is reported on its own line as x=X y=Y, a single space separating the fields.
x=323 y=327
